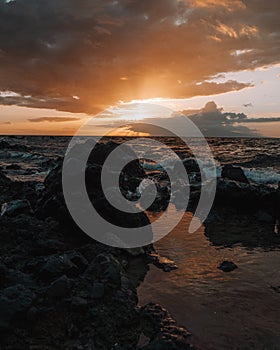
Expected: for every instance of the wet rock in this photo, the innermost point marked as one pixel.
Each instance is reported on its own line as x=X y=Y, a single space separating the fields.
x=191 y=165
x=56 y=266
x=15 y=208
x=51 y=202
x=4 y=272
x=98 y=290
x=79 y=302
x=243 y=227
x=47 y=246
x=32 y=314
x=234 y=173
x=162 y=262
x=77 y=259
x=227 y=266
x=242 y=196
x=162 y=330
x=14 y=303
x=112 y=271
x=161 y=200
x=135 y=251
x=262 y=216
x=73 y=288
x=126 y=283
x=59 y=288
x=12 y=277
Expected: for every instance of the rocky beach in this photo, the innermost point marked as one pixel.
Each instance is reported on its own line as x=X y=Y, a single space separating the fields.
x=60 y=289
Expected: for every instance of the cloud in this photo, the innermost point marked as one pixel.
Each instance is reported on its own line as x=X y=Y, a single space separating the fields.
x=105 y=51
x=53 y=119
x=261 y=120
x=211 y=120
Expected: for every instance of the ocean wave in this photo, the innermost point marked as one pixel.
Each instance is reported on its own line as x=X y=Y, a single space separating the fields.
x=265 y=176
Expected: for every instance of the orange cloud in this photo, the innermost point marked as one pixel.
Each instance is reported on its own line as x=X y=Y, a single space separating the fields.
x=110 y=51
x=230 y=5
x=53 y=119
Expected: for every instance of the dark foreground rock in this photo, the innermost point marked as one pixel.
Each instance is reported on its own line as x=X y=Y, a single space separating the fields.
x=162 y=330
x=234 y=173
x=16 y=207
x=16 y=190
x=59 y=289
x=227 y=266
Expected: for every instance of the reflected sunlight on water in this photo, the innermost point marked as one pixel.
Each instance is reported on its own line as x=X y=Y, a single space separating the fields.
x=222 y=310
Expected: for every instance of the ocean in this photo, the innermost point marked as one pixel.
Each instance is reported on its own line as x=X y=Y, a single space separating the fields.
x=259 y=158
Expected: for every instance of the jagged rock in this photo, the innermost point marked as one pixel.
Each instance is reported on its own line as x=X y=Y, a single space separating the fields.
x=161 y=200
x=77 y=259
x=242 y=196
x=15 y=208
x=135 y=251
x=56 y=266
x=79 y=302
x=110 y=268
x=60 y=304
x=97 y=291
x=59 y=288
x=262 y=216
x=191 y=165
x=162 y=262
x=227 y=266
x=162 y=330
x=14 y=303
x=51 y=202
x=234 y=173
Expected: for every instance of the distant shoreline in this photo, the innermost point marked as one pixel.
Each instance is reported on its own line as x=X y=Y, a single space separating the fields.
x=133 y=137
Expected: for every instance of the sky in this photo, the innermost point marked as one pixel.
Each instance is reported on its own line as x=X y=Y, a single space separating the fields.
x=107 y=63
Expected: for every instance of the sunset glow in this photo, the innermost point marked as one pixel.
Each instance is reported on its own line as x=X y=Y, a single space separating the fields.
x=178 y=54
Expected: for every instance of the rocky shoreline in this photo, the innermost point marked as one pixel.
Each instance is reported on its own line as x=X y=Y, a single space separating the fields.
x=59 y=289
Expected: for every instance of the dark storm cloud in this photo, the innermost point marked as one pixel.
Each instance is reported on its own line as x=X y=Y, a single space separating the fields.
x=261 y=120
x=106 y=50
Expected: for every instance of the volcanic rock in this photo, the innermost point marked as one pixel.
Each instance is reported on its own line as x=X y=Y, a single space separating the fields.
x=234 y=173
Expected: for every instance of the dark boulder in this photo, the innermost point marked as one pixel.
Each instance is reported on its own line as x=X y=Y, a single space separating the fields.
x=98 y=290
x=234 y=173
x=162 y=262
x=51 y=202
x=16 y=207
x=56 y=266
x=162 y=330
x=14 y=304
x=191 y=165
x=227 y=266
x=60 y=288
x=242 y=196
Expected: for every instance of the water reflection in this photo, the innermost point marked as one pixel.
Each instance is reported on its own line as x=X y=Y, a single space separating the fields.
x=237 y=310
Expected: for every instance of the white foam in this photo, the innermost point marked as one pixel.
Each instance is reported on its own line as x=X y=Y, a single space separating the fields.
x=265 y=176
